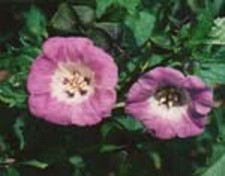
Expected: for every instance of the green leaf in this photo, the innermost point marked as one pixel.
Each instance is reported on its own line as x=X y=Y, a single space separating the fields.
x=217 y=169
x=10 y=171
x=217 y=34
x=129 y=5
x=77 y=161
x=212 y=73
x=86 y=14
x=102 y=5
x=112 y=29
x=109 y=148
x=64 y=19
x=130 y=124
x=18 y=128
x=106 y=128
x=203 y=27
x=35 y=23
x=36 y=163
x=141 y=25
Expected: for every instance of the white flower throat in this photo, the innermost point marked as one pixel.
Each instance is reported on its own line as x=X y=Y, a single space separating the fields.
x=72 y=82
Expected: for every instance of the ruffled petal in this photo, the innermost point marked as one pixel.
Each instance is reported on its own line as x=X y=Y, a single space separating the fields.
x=142 y=90
x=201 y=95
x=40 y=75
x=103 y=65
x=166 y=76
x=185 y=126
x=103 y=101
x=66 y=49
x=46 y=107
x=155 y=118
x=84 y=114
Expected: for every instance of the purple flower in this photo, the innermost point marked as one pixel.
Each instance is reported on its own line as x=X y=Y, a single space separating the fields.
x=72 y=82
x=170 y=104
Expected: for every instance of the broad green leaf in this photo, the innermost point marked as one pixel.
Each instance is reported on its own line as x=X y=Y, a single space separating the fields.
x=130 y=124
x=129 y=5
x=217 y=169
x=212 y=73
x=112 y=29
x=106 y=128
x=86 y=14
x=141 y=24
x=217 y=34
x=35 y=23
x=203 y=27
x=64 y=19
x=102 y=5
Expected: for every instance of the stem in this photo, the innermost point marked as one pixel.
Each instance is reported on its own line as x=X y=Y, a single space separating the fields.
x=119 y=105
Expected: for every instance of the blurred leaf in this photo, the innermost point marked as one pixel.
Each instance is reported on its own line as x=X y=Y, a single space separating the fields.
x=86 y=14
x=102 y=5
x=129 y=5
x=203 y=27
x=112 y=29
x=212 y=73
x=110 y=148
x=217 y=169
x=217 y=34
x=156 y=160
x=10 y=171
x=36 y=163
x=77 y=161
x=105 y=129
x=141 y=25
x=130 y=124
x=36 y=23
x=18 y=128
x=64 y=19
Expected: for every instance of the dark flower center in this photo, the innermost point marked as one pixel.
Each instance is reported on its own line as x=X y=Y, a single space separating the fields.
x=171 y=96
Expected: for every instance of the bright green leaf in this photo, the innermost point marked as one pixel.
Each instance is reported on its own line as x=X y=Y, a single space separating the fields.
x=217 y=34
x=35 y=23
x=102 y=5
x=141 y=25
x=212 y=73
x=217 y=169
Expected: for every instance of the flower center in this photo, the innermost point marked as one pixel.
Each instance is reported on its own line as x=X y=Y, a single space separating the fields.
x=72 y=82
x=76 y=84
x=170 y=96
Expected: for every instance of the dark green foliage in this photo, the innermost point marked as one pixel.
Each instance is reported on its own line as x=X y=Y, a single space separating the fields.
x=141 y=34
